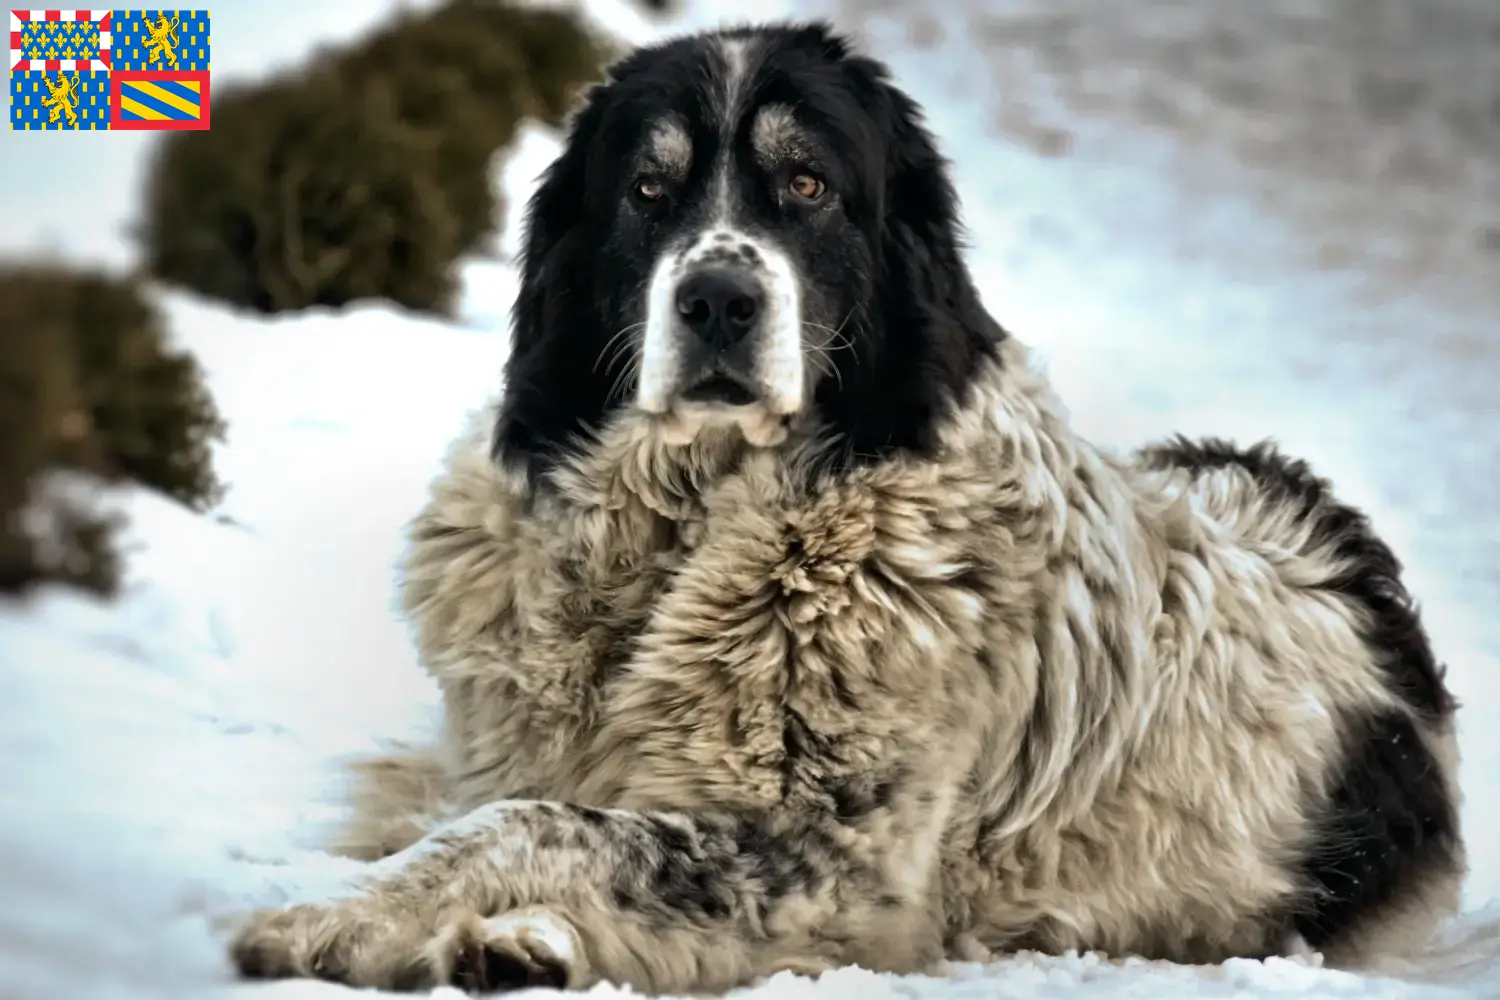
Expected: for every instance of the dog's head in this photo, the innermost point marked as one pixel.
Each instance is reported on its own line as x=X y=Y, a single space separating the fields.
x=747 y=227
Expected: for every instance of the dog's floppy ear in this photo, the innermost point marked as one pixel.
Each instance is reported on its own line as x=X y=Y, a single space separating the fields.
x=927 y=331
x=544 y=401
x=922 y=237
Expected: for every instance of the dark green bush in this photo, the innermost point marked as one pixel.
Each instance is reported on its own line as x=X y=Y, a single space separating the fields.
x=44 y=423
x=306 y=192
x=89 y=366
x=469 y=75
x=369 y=176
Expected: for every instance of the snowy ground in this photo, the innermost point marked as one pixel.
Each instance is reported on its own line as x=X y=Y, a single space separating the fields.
x=172 y=756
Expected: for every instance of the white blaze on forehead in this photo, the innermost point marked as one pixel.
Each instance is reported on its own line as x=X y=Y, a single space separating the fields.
x=736 y=55
x=729 y=95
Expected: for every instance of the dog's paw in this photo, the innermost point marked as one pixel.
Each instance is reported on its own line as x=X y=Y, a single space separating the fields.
x=342 y=942
x=279 y=944
x=512 y=951
x=359 y=944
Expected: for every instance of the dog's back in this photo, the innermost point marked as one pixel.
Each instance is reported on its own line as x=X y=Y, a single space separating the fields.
x=1386 y=860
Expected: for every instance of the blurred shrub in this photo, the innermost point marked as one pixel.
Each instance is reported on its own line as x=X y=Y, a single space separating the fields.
x=367 y=176
x=88 y=382
x=306 y=192
x=42 y=419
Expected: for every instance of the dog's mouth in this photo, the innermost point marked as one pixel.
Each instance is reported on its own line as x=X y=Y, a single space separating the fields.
x=720 y=388
x=720 y=398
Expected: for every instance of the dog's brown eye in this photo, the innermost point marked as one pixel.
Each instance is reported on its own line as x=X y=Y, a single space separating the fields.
x=649 y=190
x=807 y=187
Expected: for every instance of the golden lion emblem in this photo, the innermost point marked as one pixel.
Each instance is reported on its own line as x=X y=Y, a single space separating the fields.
x=63 y=99
x=162 y=44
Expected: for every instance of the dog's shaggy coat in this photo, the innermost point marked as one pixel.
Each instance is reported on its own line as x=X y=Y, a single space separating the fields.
x=907 y=672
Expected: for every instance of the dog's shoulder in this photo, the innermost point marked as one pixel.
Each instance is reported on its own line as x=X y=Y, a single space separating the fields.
x=523 y=599
x=457 y=571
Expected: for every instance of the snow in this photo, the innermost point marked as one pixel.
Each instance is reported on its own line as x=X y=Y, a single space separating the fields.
x=172 y=756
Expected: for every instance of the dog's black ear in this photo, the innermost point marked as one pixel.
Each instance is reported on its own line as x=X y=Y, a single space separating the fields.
x=927 y=331
x=922 y=238
x=545 y=404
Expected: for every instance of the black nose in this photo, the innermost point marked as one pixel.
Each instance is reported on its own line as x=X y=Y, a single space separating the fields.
x=719 y=305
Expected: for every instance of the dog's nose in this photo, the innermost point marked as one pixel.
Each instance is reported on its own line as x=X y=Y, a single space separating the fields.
x=719 y=305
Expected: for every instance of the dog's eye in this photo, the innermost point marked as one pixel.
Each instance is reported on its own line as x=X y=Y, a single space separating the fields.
x=649 y=189
x=806 y=187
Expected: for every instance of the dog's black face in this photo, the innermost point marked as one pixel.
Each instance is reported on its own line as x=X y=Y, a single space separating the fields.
x=748 y=227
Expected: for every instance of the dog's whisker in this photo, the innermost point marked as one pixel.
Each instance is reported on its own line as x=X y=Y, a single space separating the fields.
x=623 y=350
x=617 y=338
x=838 y=340
x=821 y=360
x=839 y=334
x=626 y=376
x=821 y=355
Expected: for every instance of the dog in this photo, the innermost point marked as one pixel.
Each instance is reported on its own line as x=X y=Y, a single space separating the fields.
x=783 y=623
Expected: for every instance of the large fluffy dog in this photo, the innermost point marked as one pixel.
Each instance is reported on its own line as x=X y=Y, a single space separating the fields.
x=783 y=622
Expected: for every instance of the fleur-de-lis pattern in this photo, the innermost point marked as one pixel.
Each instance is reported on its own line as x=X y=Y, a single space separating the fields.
x=60 y=39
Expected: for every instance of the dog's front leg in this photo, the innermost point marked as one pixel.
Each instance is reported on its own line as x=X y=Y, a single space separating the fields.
x=534 y=893
x=451 y=908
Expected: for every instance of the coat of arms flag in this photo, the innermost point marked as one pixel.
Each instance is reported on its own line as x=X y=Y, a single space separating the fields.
x=102 y=70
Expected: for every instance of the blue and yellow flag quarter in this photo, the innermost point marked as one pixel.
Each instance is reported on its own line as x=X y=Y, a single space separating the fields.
x=156 y=100
x=161 y=39
x=161 y=100
x=60 y=101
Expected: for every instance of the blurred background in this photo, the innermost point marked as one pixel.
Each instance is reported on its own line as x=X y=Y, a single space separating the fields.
x=229 y=360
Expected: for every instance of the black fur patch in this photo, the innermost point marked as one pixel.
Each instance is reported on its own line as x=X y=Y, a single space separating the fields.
x=709 y=870
x=1388 y=823
x=1389 y=820
x=883 y=266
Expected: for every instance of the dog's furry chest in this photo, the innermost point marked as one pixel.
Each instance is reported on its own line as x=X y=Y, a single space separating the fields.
x=740 y=658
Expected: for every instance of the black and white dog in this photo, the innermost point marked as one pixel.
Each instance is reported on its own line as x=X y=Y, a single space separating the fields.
x=784 y=623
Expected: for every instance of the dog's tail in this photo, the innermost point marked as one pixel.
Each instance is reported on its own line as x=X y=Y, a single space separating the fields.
x=396 y=797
